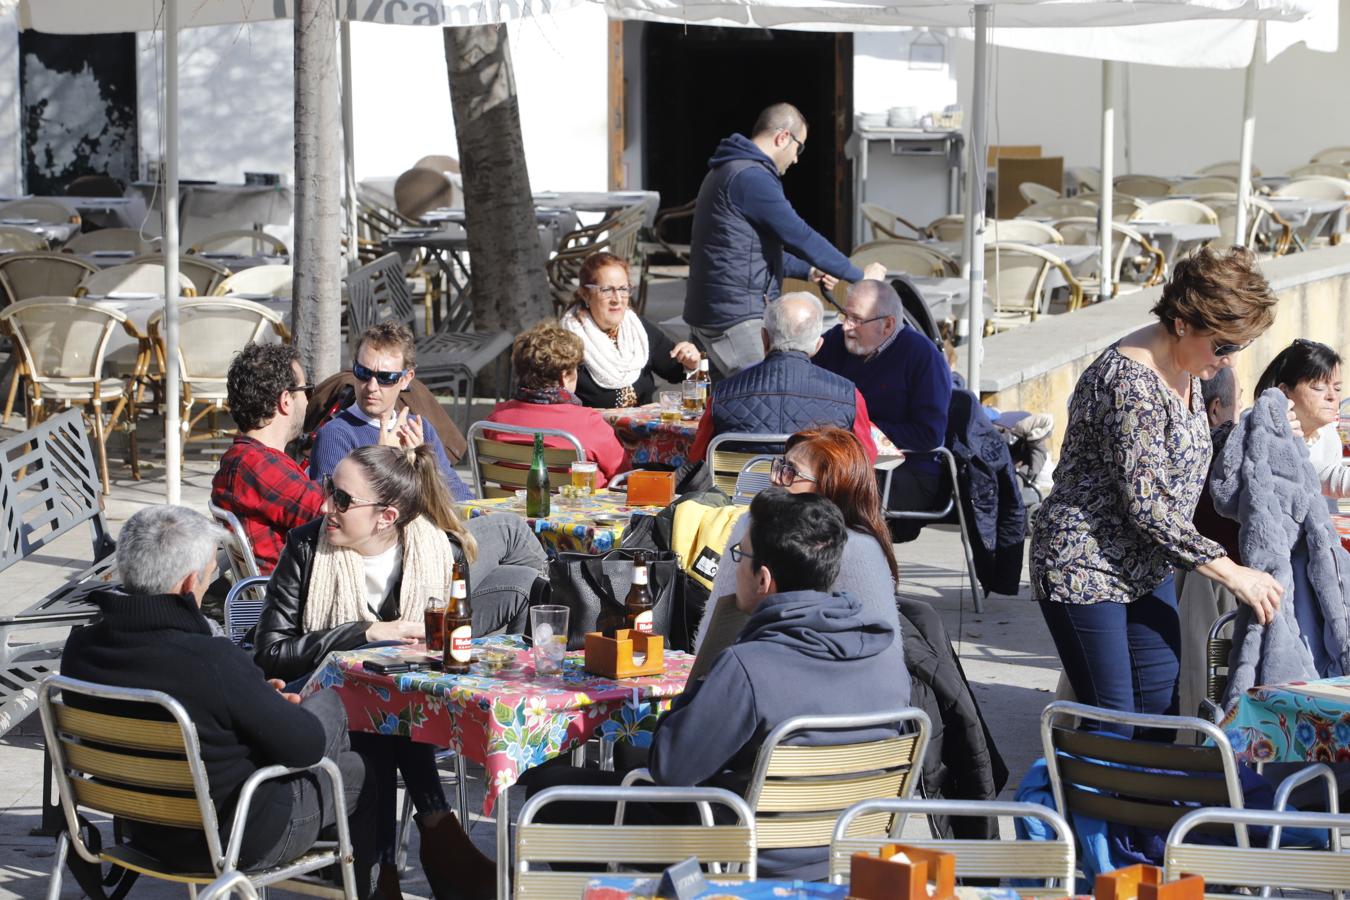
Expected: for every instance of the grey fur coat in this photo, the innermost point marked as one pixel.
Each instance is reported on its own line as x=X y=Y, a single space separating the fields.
x=1264 y=480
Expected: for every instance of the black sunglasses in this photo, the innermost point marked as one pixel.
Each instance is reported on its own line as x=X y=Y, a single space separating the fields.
x=384 y=379
x=306 y=389
x=1228 y=349
x=343 y=501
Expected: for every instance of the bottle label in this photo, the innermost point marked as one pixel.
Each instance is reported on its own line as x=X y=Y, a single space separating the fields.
x=460 y=645
x=458 y=589
x=639 y=574
x=643 y=622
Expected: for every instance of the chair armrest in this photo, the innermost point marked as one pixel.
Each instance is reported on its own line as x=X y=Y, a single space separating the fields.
x=644 y=776
x=269 y=773
x=1301 y=777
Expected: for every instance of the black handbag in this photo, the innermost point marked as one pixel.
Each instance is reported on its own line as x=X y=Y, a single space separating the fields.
x=587 y=582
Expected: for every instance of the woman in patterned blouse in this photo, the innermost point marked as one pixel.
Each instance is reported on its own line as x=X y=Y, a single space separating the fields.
x=1135 y=457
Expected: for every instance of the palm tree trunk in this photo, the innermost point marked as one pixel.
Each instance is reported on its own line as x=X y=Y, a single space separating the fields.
x=510 y=290
x=316 y=302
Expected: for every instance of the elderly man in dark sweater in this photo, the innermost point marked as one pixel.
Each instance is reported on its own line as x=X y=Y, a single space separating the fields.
x=904 y=379
x=152 y=636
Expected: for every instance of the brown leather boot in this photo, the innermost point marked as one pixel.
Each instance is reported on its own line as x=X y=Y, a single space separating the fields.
x=386 y=883
x=455 y=868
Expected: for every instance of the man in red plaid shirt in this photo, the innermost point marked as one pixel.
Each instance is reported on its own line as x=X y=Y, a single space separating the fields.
x=267 y=490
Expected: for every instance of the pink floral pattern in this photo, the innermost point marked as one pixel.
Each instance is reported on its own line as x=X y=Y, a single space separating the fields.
x=1295 y=722
x=649 y=440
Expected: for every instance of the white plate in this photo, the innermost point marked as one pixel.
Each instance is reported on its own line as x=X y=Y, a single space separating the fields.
x=132 y=295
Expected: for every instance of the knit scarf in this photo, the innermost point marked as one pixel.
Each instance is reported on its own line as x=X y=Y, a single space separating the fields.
x=549 y=396
x=337 y=593
x=612 y=366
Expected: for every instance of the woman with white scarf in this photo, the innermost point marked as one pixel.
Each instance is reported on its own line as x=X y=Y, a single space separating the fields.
x=362 y=574
x=623 y=350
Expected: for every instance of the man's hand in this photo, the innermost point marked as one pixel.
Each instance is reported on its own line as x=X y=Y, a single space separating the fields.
x=401 y=429
x=874 y=272
x=281 y=689
x=686 y=354
x=824 y=279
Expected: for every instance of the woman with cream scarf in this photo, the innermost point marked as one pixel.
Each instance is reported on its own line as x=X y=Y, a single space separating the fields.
x=362 y=574
x=622 y=349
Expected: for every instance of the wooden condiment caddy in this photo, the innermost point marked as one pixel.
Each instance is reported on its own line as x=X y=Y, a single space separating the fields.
x=883 y=877
x=1146 y=883
x=613 y=657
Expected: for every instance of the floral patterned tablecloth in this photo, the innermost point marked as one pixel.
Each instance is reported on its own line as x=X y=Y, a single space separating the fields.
x=1296 y=722
x=509 y=721
x=570 y=526
x=649 y=440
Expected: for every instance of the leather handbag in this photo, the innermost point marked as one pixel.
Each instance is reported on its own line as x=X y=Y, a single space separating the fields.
x=588 y=582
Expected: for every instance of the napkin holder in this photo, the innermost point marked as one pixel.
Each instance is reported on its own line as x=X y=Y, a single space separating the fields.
x=651 y=488
x=613 y=657
x=1142 y=882
x=884 y=877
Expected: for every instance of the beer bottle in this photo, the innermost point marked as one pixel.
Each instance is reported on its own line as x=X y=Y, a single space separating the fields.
x=458 y=623
x=638 y=604
x=536 y=483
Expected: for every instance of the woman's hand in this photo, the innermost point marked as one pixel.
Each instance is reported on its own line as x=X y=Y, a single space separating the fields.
x=1258 y=590
x=403 y=632
x=1295 y=425
x=686 y=354
x=824 y=279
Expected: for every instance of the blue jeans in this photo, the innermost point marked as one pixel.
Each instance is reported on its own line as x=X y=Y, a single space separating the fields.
x=1122 y=656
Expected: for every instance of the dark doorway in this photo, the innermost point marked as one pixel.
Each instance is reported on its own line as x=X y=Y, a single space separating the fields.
x=78 y=95
x=703 y=84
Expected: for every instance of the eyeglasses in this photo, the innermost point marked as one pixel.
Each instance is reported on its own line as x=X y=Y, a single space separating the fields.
x=785 y=474
x=306 y=389
x=737 y=554
x=622 y=290
x=384 y=379
x=801 y=148
x=858 y=321
x=1228 y=349
x=343 y=501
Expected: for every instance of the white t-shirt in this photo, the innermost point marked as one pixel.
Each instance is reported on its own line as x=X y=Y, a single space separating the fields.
x=381 y=570
x=1324 y=451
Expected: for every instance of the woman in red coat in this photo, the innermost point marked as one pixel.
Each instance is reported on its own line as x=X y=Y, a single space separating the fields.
x=546 y=359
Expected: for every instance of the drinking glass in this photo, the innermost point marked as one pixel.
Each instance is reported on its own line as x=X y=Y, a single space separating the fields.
x=548 y=626
x=435 y=624
x=670 y=405
x=583 y=477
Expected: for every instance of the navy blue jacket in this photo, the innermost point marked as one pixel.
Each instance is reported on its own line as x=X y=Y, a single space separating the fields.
x=782 y=395
x=991 y=493
x=908 y=387
x=802 y=653
x=742 y=223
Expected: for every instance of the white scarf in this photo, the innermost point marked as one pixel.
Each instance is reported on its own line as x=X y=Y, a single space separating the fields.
x=611 y=367
x=337 y=580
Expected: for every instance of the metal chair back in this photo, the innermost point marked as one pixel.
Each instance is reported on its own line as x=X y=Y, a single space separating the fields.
x=604 y=849
x=1243 y=869
x=730 y=452
x=378 y=292
x=500 y=467
x=755 y=476
x=237 y=546
x=1050 y=861
x=798 y=791
x=1217 y=651
x=243 y=607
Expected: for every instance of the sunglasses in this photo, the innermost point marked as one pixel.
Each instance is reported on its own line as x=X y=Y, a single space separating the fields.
x=306 y=389
x=785 y=474
x=343 y=501
x=384 y=379
x=1228 y=349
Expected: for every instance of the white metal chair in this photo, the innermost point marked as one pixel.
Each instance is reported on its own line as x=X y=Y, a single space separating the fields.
x=1316 y=187
x=1142 y=185
x=755 y=476
x=132 y=278
x=608 y=848
x=117 y=763
x=14 y=239
x=204 y=272
x=48 y=212
x=1050 y=861
x=1266 y=228
x=500 y=467
x=1060 y=209
x=62 y=342
x=1015 y=277
x=729 y=453
x=1176 y=211
x=237 y=546
x=1231 y=168
x=1036 y=193
x=211 y=330
x=946 y=228
x=1208 y=184
x=1024 y=231
x=906 y=256
x=1123 y=205
x=110 y=240
x=270 y=281
x=241 y=243
x=1243 y=869
x=1127 y=246
x=1087 y=178
x=886 y=224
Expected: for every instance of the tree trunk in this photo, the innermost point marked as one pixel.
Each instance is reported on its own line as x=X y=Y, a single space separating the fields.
x=315 y=307
x=510 y=290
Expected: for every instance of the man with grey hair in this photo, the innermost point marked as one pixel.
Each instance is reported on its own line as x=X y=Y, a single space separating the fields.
x=152 y=636
x=905 y=379
x=745 y=235
x=784 y=393
x=1220 y=394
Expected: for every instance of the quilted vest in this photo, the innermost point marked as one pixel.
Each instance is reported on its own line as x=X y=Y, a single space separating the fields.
x=782 y=395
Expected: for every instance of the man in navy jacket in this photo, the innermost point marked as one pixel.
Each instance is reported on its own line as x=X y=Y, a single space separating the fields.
x=747 y=238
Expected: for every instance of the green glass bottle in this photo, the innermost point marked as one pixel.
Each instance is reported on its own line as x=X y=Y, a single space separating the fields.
x=536 y=483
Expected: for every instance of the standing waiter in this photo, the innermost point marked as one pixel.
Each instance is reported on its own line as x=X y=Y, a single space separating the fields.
x=744 y=228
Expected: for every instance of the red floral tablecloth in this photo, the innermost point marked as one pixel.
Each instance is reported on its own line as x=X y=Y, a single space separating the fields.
x=507 y=722
x=1342 y=524
x=647 y=438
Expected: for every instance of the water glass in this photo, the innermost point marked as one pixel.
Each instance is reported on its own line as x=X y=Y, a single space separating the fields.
x=548 y=626
x=670 y=405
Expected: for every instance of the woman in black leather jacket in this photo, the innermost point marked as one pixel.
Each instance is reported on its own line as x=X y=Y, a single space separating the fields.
x=361 y=574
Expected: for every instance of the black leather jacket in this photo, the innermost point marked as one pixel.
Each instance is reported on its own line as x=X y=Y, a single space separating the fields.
x=281 y=646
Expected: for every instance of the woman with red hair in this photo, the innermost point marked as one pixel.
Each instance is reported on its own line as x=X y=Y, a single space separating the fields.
x=831 y=462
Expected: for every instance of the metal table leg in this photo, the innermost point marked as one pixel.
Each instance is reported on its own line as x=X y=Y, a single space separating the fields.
x=503 y=813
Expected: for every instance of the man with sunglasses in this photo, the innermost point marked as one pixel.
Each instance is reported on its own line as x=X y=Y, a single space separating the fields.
x=747 y=238
x=383 y=369
x=257 y=481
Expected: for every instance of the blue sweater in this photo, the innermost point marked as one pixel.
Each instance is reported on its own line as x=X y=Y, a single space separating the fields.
x=346 y=431
x=907 y=386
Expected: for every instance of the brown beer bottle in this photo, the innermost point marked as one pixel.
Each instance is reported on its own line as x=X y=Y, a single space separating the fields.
x=458 y=623
x=638 y=604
